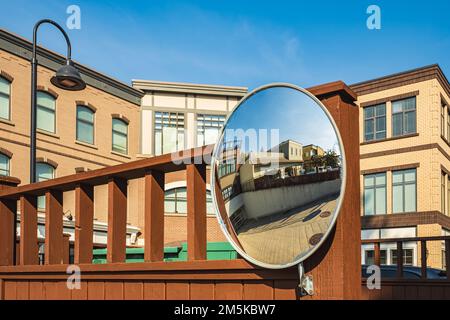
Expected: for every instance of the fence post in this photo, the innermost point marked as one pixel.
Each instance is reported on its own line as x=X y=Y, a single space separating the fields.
x=400 y=259
x=28 y=230
x=8 y=217
x=84 y=223
x=117 y=220
x=154 y=216
x=53 y=227
x=196 y=211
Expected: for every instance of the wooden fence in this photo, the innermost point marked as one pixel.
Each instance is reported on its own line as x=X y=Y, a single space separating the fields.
x=401 y=287
x=335 y=267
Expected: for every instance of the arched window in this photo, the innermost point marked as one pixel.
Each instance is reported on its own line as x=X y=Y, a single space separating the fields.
x=46 y=112
x=85 y=124
x=5 y=98
x=44 y=172
x=119 y=136
x=4 y=165
x=175 y=201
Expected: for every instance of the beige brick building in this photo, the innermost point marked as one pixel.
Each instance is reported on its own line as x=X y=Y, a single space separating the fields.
x=62 y=149
x=78 y=130
x=405 y=161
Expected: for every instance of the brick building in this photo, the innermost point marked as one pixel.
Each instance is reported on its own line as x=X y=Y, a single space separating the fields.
x=405 y=161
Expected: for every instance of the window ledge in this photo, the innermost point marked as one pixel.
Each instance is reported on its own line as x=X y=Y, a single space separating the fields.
x=85 y=144
x=410 y=135
x=8 y=122
x=49 y=134
x=120 y=154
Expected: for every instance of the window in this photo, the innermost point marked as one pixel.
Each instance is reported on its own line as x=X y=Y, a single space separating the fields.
x=119 y=136
x=375 y=194
x=443 y=191
x=169 y=132
x=375 y=122
x=46 y=111
x=227 y=193
x=175 y=201
x=448 y=124
x=443 y=119
x=208 y=128
x=370 y=257
x=404 y=116
x=227 y=167
x=85 y=124
x=5 y=98
x=404 y=191
x=44 y=172
x=448 y=195
x=4 y=165
x=408 y=257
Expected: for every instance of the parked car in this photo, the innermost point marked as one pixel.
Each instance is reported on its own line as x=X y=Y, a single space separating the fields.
x=409 y=272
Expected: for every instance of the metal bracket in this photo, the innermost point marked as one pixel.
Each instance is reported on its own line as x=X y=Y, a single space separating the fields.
x=306 y=284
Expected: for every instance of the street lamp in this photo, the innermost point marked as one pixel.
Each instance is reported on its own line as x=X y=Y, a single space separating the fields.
x=67 y=78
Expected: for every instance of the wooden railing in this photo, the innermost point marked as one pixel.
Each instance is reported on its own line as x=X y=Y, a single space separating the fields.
x=423 y=252
x=153 y=172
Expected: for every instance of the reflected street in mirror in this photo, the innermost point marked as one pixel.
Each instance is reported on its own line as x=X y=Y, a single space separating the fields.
x=278 y=171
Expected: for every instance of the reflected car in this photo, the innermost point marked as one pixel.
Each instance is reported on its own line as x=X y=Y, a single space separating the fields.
x=409 y=272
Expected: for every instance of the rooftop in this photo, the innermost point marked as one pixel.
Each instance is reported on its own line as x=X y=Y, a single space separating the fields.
x=162 y=86
x=432 y=71
x=22 y=47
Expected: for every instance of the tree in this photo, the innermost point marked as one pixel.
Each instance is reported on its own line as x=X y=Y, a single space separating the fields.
x=331 y=159
x=316 y=162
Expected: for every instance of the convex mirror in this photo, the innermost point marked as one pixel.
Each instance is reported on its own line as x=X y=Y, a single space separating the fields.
x=278 y=175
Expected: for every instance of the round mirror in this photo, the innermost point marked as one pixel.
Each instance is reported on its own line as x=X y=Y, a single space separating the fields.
x=278 y=176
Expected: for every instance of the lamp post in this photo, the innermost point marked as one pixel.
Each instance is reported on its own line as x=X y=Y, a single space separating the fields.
x=67 y=77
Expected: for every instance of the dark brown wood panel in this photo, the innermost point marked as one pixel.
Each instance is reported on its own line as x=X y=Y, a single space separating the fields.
x=133 y=290
x=117 y=220
x=84 y=222
x=196 y=211
x=96 y=290
x=8 y=209
x=177 y=290
x=54 y=227
x=154 y=290
x=114 y=290
x=154 y=216
x=258 y=290
x=28 y=231
x=201 y=290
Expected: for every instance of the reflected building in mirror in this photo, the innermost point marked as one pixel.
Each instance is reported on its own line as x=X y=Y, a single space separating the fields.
x=282 y=196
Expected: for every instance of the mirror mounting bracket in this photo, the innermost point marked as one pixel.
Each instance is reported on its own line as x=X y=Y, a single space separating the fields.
x=306 y=284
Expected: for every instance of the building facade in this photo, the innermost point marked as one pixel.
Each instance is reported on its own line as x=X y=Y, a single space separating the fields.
x=76 y=131
x=174 y=117
x=405 y=162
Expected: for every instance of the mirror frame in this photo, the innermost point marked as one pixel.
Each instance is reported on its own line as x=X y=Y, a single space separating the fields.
x=337 y=210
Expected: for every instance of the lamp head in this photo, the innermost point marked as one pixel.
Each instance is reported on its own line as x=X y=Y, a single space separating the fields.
x=68 y=78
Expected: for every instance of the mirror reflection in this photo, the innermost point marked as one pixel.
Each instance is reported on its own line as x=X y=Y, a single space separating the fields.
x=278 y=175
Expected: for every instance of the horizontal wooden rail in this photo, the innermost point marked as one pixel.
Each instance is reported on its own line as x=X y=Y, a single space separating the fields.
x=400 y=252
x=165 y=163
x=151 y=170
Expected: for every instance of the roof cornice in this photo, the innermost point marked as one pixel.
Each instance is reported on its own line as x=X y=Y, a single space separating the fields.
x=403 y=78
x=193 y=88
x=333 y=87
x=21 y=47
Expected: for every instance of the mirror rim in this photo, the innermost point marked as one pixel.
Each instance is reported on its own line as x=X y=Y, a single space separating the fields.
x=337 y=210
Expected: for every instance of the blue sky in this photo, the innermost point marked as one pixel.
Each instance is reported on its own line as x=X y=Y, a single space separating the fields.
x=246 y=43
x=292 y=113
